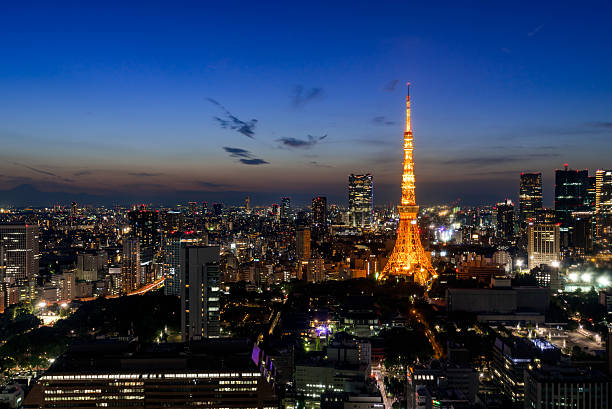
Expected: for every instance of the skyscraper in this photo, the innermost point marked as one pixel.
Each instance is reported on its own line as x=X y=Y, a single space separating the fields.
x=603 y=206
x=543 y=246
x=172 y=265
x=408 y=258
x=302 y=244
x=570 y=196
x=285 y=210
x=20 y=249
x=144 y=226
x=319 y=216
x=200 y=292
x=130 y=264
x=530 y=195
x=505 y=219
x=361 y=199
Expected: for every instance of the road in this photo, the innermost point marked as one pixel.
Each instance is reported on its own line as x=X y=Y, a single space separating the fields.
x=438 y=350
x=380 y=381
x=142 y=290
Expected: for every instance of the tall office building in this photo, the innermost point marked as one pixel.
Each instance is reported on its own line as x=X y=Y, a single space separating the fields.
x=200 y=292
x=603 y=206
x=285 y=209
x=20 y=247
x=319 y=216
x=172 y=264
x=570 y=196
x=144 y=226
x=505 y=219
x=361 y=200
x=543 y=245
x=302 y=244
x=530 y=195
x=130 y=265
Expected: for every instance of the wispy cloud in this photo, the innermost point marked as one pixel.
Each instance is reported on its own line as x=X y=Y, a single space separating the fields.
x=144 y=174
x=601 y=124
x=83 y=173
x=229 y=121
x=302 y=96
x=43 y=172
x=301 y=143
x=382 y=120
x=497 y=159
x=244 y=156
x=536 y=30
x=320 y=165
x=390 y=86
x=213 y=185
x=255 y=161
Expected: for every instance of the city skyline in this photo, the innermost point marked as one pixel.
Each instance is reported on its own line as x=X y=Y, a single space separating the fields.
x=134 y=106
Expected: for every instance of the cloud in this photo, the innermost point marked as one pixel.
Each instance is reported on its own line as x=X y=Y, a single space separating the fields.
x=210 y=184
x=43 y=172
x=301 y=143
x=144 y=174
x=498 y=159
x=382 y=120
x=506 y=50
x=302 y=96
x=254 y=161
x=83 y=173
x=601 y=124
x=390 y=86
x=321 y=165
x=229 y=121
x=237 y=152
x=536 y=30
x=244 y=156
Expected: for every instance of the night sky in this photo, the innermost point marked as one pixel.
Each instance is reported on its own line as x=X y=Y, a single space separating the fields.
x=214 y=101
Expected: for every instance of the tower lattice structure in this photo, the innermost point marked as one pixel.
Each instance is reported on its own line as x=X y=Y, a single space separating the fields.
x=408 y=257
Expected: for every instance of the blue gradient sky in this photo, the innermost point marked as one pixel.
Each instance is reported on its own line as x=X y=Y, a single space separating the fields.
x=114 y=99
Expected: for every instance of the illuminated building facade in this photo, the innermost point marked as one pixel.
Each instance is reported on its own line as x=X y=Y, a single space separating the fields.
x=219 y=374
x=285 y=209
x=543 y=244
x=130 y=265
x=361 y=199
x=172 y=264
x=603 y=206
x=19 y=243
x=319 y=216
x=144 y=226
x=530 y=195
x=302 y=244
x=505 y=219
x=200 y=292
x=408 y=257
x=570 y=196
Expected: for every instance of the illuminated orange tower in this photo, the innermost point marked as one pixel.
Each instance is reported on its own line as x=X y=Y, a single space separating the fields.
x=408 y=257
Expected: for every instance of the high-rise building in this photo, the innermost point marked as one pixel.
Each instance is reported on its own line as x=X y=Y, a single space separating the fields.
x=566 y=387
x=319 y=216
x=144 y=226
x=285 y=209
x=408 y=258
x=172 y=264
x=505 y=219
x=302 y=244
x=570 y=196
x=21 y=256
x=603 y=206
x=361 y=200
x=530 y=195
x=247 y=204
x=200 y=292
x=543 y=246
x=130 y=264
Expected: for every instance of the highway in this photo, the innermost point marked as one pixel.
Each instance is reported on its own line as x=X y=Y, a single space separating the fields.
x=142 y=290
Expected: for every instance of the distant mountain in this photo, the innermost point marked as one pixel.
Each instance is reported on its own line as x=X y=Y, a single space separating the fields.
x=30 y=196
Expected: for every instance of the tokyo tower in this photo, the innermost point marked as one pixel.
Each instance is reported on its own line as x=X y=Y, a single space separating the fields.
x=408 y=257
